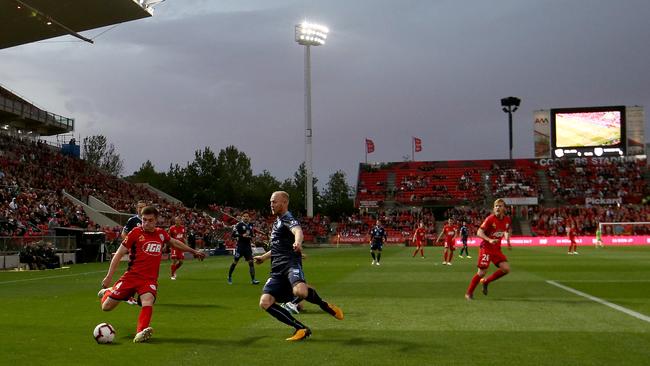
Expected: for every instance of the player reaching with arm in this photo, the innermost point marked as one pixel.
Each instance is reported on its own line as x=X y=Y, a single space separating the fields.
x=287 y=278
x=493 y=230
x=144 y=247
x=418 y=239
x=133 y=222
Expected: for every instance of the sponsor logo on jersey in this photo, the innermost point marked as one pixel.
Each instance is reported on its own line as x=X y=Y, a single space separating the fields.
x=152 y=248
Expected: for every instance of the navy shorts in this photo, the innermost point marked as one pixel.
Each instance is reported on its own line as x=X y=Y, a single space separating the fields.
x=247 y=253
x=280 y=286
x=376 y=246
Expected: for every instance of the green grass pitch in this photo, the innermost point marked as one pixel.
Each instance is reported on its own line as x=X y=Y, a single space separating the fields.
x=581 y=133
x=409 y=311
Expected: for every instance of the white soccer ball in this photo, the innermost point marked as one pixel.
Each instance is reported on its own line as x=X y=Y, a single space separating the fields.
x=104 y=333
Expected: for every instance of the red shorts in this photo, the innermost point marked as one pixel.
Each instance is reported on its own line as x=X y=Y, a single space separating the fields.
x=178 y=254
x=128 y=286
x=418 y=243
x=485 y=257
x=450 y=244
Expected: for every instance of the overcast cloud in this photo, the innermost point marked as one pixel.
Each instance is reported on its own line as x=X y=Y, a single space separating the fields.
x=218 y=73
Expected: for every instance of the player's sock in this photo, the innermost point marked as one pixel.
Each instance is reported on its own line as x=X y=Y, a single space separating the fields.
x=144 y=318
x=231 y=270
x=251 y=270
x=444 y=256
x=107 y=293
x=296 y=300
x=378 y=257
x=495 y=276
x=312 y=297
x=173 y=269
x=422 y=252
x=473 y=283
x=284 y=316
x=416 y=252
x=373 y=256
x=178 y=265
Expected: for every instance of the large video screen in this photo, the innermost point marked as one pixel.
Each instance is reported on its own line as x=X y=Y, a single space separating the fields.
x=588 y=127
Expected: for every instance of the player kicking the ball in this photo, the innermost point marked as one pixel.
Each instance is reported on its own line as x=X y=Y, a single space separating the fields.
x=496 y=227
x=144 y=245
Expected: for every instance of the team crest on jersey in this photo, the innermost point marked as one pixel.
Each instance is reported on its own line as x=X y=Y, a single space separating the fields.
x=153 y=287
x=141 y=238
x=507 y=225
x=162 y=237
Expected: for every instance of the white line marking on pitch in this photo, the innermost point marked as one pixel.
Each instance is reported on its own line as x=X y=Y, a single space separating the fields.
x=604 y=281
x=49 y=277
x=602 y=302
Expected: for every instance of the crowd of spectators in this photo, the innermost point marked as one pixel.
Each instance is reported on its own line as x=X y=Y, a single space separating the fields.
x=396 y=223
x=33 y=176
x=553 y=221
x=575 y=180
x=514 y=182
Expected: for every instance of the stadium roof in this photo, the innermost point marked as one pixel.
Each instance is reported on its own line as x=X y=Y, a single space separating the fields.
x=19 y=113
x=26 y=21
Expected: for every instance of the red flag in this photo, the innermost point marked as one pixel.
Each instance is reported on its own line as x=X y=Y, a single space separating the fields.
x=370 y=146
x=418 y=144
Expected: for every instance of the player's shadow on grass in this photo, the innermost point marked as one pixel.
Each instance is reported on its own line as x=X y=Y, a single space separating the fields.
x=402 y=345
x=543 y=300
x=208 y=341
x=192 y=306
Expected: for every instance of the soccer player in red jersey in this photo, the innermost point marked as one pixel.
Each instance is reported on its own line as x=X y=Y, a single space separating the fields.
x=177 y=231
x=496 y=227
x=418 y=239
x=449 y=231
x=144 y=246
x=571 y=233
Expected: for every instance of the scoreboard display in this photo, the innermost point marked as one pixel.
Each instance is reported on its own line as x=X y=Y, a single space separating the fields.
x=592 y=131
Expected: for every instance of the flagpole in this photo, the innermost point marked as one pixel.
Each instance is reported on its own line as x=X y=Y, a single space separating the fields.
x=365 y=144
x=412 y=149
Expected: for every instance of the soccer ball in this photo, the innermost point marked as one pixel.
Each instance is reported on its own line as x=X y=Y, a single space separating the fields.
x=104 y=333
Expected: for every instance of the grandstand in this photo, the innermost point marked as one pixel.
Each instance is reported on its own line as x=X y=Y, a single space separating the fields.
x=589 y=190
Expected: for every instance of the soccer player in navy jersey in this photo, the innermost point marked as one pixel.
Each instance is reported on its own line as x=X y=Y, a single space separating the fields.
x=287 y=278
x=243 y=232
x=134 y=221
x=377 y=237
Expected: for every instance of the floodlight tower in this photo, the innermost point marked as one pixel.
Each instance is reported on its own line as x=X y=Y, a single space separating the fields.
x=510 y=105
x=309 y=34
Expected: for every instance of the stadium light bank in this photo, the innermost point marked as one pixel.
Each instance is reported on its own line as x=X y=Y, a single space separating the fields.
x=309 y=34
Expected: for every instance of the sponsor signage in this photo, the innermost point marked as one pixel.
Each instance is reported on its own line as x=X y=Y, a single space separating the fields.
x=522 y=241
